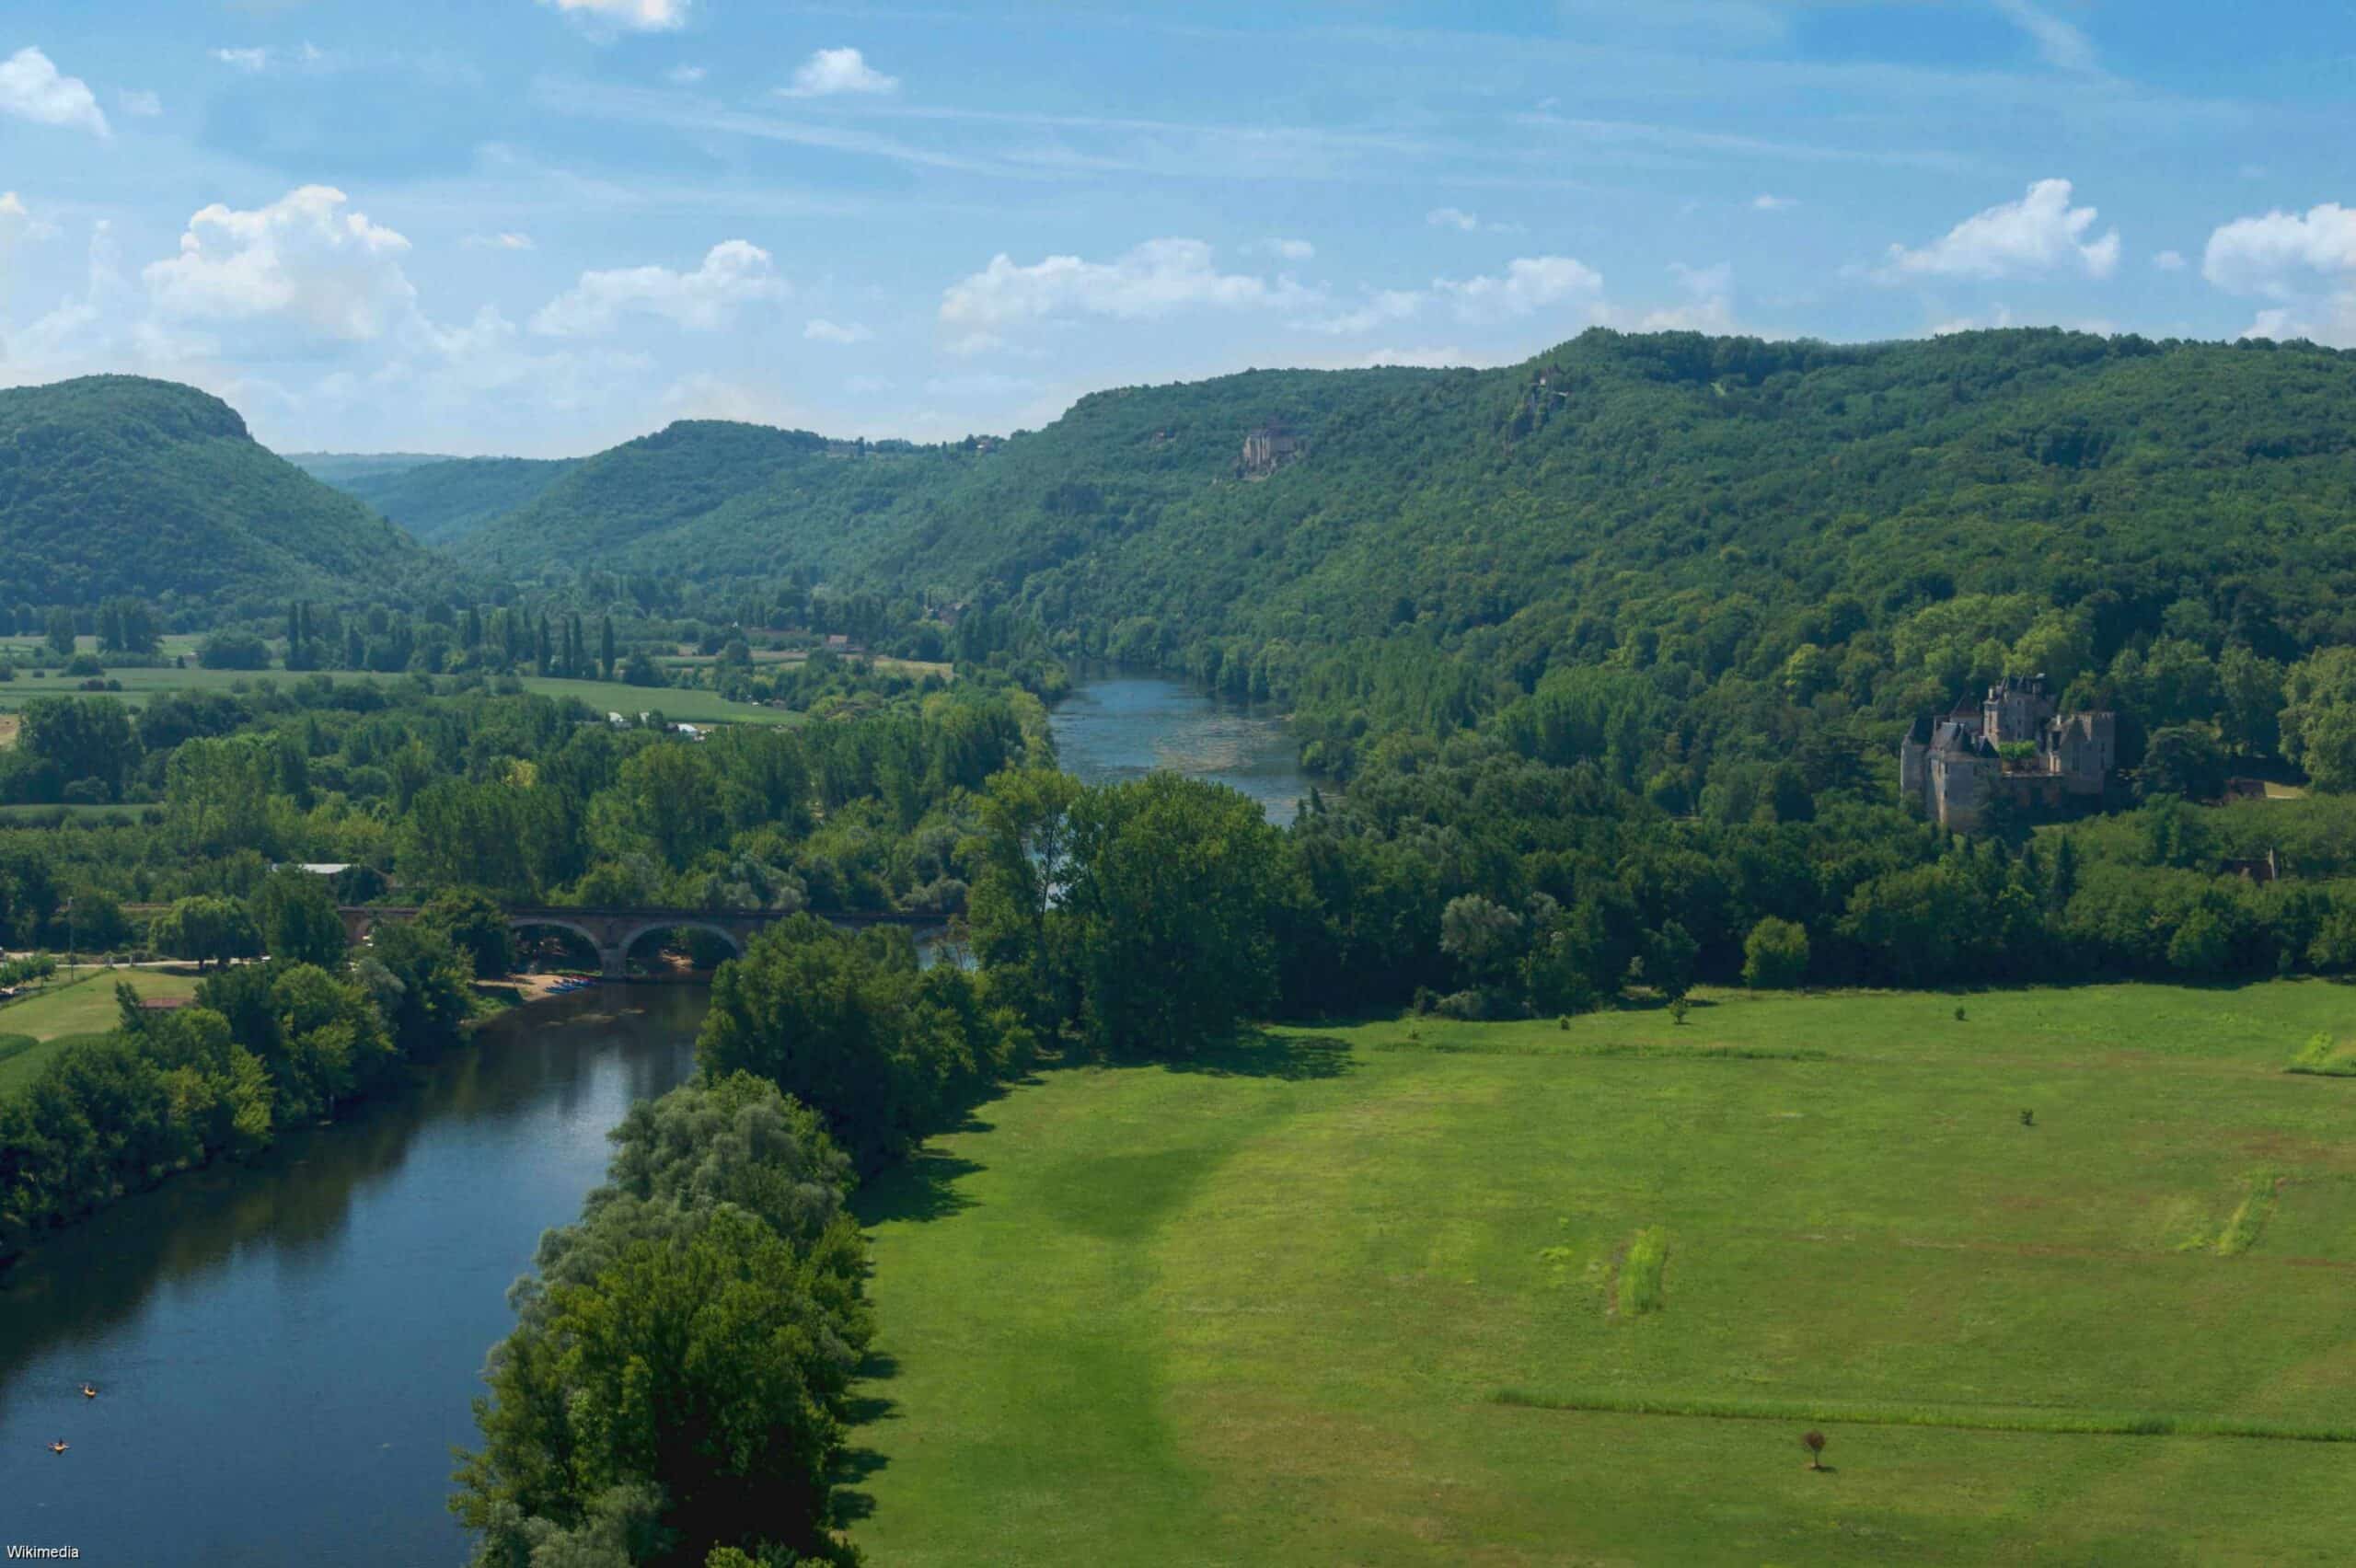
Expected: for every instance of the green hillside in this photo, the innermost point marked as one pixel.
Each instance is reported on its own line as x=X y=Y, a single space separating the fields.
x=116 y=484
x=1616 y=475
x=1685 y=499
x=712 y=501
x=437 y=499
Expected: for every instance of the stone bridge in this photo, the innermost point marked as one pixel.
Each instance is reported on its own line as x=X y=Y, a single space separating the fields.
x=613 y=932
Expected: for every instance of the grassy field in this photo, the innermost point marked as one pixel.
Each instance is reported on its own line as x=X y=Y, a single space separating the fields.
x=605 y=697
x=65 y=1009
x=1433 y=1293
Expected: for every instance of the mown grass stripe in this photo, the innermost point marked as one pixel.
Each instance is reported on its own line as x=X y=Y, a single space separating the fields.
x=1597 y=1048
x=2090 y=1423
x=1640 y=1270
x=2249 y=1217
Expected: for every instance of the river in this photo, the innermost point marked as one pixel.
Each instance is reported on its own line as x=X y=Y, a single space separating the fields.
x=1116 y=725
x=285 y=1350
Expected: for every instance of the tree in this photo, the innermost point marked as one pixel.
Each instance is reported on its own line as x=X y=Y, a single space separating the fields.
x=1173 y=888
x=2182 y=760
x=81 y=738
x=476 y=925
x=295 y=913
x=708 y=1370
x=826 y=1017
x=2319 y=721
x=1482 y=935
x=1022 y=856
x=1775 y=956
x=232 y=649
x=61 y=631
x=217 y=794
x=206 y=930
x=1814 y=1442
x=605 y=646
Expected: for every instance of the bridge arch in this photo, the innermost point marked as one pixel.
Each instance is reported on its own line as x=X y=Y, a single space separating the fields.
x=631 y=935
x=608 y=962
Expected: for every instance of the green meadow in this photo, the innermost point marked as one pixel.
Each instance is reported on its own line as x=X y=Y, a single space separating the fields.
x=1421 y=1292
x=678 y=704
x=37 y=1026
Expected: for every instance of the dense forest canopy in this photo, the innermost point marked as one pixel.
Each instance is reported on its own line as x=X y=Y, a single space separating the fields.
x=438 y=501
x=119 y=485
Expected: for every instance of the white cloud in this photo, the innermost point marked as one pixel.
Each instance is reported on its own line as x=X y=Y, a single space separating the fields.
x=685 y=75
x=1154 y=279
x=249 y=61
x=2169 y=261
x=32 y=89
x=505 y=240
x=1453 y=217
x=18 y=224
x=864 y=383
x=821 y=330
x=2274 y=254
x=972 y=343
x=2058 y=43
x=735 y=272
x=2017 y=240
x=1283 y=250
x=2304 y=262
x=830 y=72
x=1528 y=284
x=1709 y=305
x=303 y=259
x=979 y=384
x=1381 y=307
x=139 y=103
x=2001 y=316
x=1767 y=203
x=1435 y=357
x=636 y=16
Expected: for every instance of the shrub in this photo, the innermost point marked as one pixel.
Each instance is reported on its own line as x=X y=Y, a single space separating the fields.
x=1468 y=1006
x=1775 y=956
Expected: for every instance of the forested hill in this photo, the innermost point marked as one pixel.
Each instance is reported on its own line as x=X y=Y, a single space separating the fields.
x=436 y=500
x=119 y=485
x=713 y=501
x=1700 y=498
x=1687 y=489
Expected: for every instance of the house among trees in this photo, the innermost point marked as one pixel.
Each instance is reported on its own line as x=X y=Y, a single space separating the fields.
x=1269 y=448
x=2014 y=749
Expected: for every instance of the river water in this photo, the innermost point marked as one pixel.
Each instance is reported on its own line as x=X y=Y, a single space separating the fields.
x=1118 y=726
x=285 y=1350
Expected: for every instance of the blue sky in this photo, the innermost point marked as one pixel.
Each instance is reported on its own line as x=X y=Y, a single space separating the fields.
x=540 y=227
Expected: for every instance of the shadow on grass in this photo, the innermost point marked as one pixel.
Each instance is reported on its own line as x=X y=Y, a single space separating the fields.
x=1265 y=1054
x=859 y=1462
x=921 y=1187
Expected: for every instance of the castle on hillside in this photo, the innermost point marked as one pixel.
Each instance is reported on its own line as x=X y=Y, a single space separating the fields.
x=2014 y=747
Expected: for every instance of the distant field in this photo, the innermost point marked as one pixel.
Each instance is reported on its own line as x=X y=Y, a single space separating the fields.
x=64 y=1011
x=605 y=697
x=675 y=704
x=1510 y=1294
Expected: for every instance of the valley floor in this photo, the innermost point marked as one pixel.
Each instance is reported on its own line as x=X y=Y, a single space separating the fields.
x=1375 y=1296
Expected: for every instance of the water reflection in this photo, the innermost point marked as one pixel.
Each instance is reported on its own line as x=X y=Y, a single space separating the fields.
x=285 y=1349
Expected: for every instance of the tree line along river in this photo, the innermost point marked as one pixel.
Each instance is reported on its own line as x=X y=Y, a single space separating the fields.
x=285 y=1350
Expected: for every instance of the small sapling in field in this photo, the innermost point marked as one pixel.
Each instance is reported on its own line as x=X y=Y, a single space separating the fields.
x=1814 y=1442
